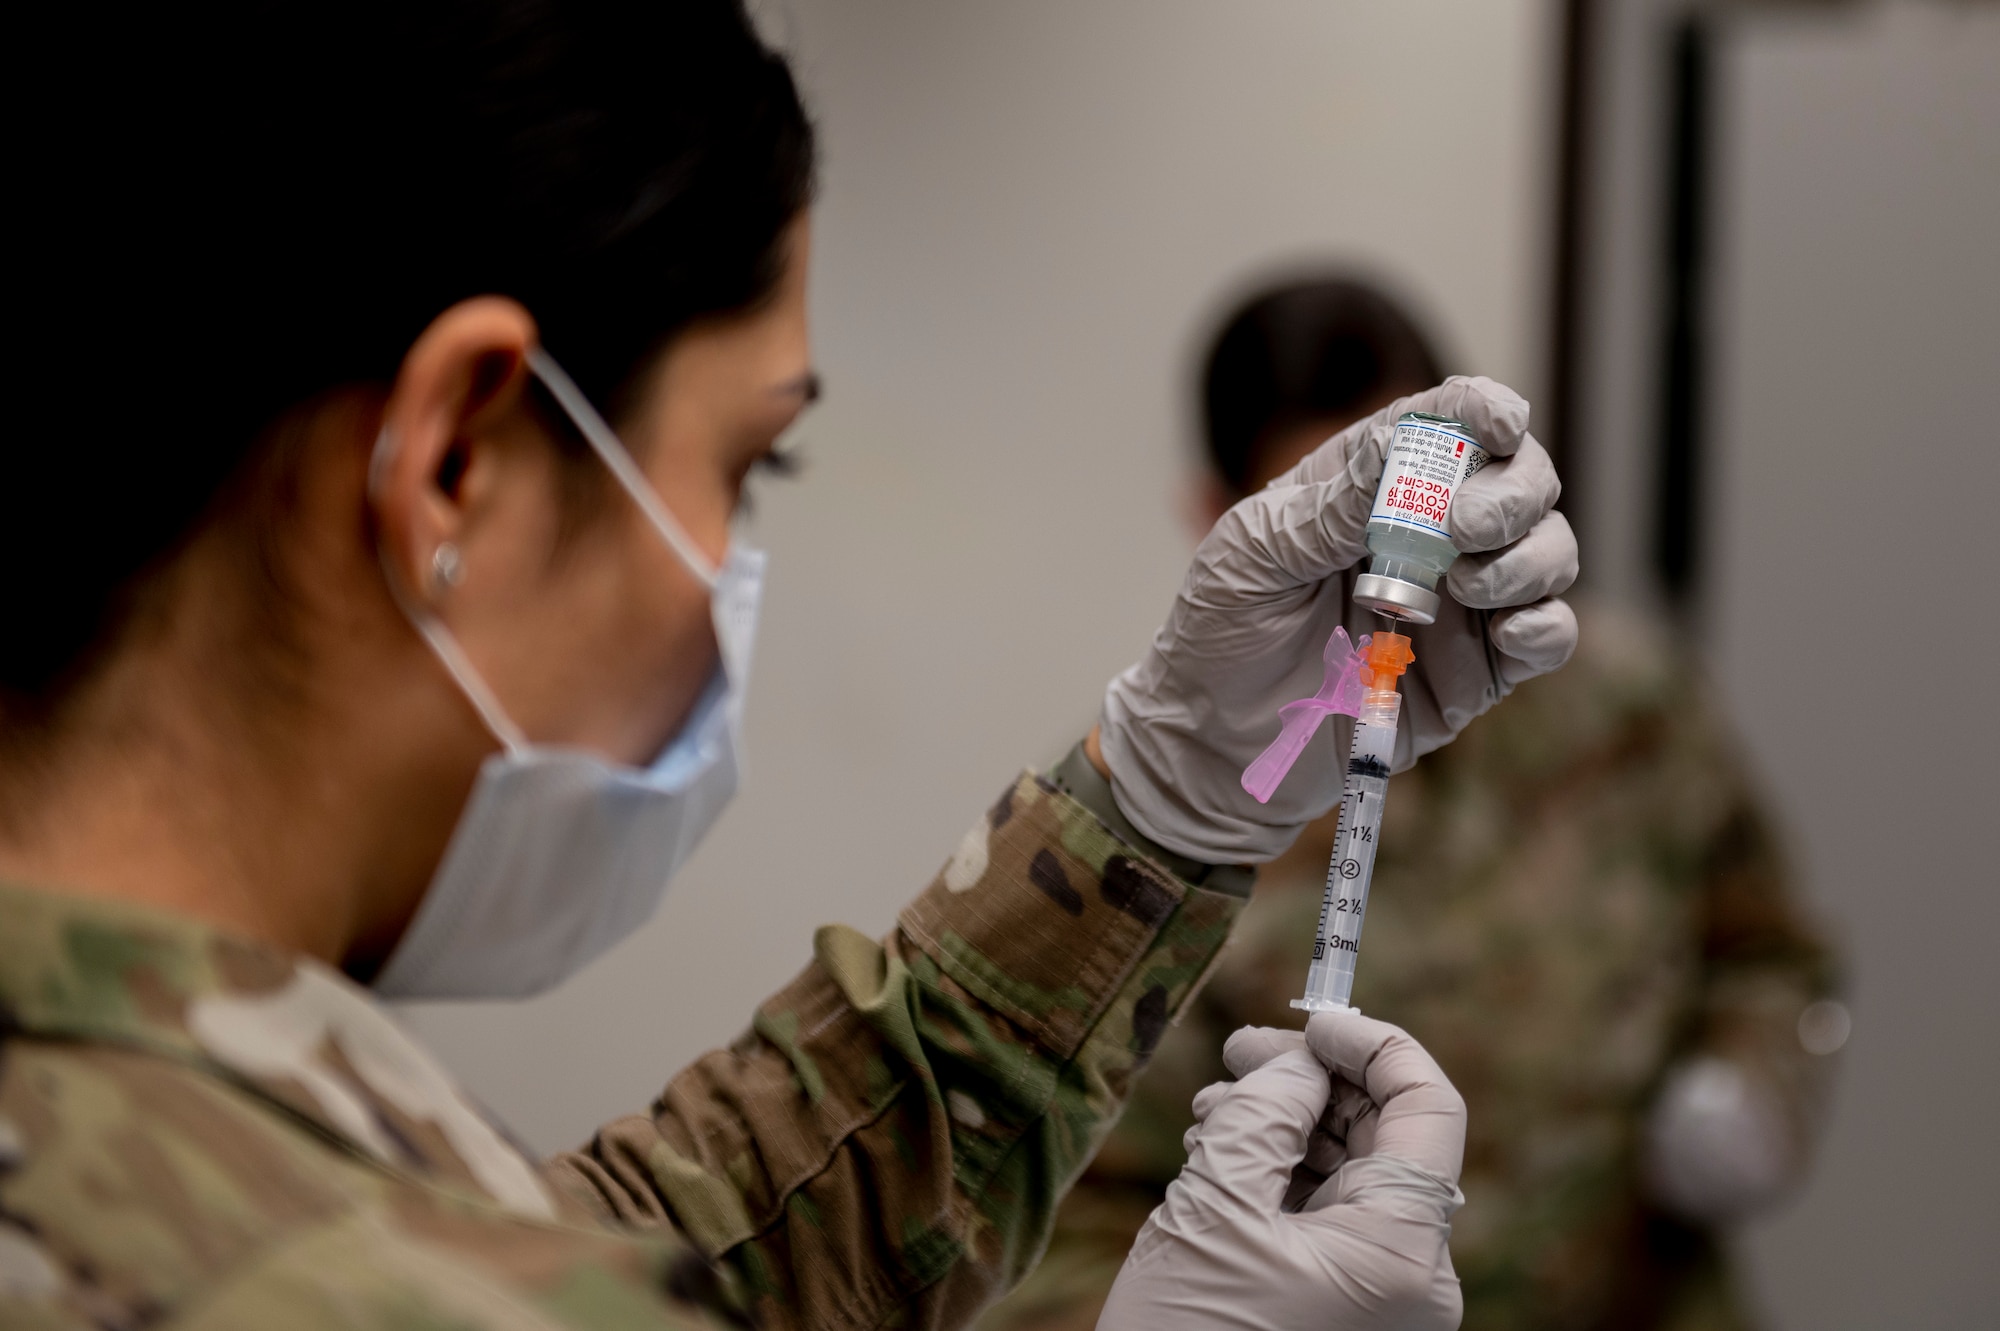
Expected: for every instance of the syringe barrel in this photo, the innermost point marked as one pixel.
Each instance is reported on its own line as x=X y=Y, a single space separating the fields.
x=1375 y=728
x=1336 y=946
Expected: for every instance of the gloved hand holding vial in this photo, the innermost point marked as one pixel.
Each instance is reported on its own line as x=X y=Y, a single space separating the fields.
x=1291 y=562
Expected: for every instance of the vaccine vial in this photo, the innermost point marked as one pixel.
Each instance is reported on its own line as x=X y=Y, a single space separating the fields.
x=1409 y=529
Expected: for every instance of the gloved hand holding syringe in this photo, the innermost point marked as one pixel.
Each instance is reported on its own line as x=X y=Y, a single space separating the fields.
x=1410 y=537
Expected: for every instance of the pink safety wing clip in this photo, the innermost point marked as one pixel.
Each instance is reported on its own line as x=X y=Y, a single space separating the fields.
x=1341 y=692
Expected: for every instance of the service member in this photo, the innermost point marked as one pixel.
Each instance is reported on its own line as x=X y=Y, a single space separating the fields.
x=385 y=379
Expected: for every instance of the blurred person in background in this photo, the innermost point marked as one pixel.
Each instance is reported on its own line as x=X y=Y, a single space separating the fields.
x=386 y=379
x=1578 y=907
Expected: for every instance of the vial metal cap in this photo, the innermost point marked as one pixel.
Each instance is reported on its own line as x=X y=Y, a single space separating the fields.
x=1396 y=598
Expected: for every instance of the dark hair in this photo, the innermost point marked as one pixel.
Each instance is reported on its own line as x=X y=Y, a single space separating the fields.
x=1301 y=352
x=235 y=207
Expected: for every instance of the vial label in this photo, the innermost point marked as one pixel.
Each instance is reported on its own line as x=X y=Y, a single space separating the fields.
x=1428 y=461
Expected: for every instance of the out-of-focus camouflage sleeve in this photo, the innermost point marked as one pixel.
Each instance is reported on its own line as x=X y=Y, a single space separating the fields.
x=888 y=1143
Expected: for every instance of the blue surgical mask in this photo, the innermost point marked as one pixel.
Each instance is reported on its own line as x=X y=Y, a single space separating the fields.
x=560 y=852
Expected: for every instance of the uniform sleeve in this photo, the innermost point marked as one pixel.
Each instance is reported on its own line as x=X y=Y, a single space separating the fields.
x=889 y=1141
x=142 y=1190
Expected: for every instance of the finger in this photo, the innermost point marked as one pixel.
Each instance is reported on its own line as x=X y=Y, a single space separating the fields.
x=1310 y=522
x=1255 y=1135
x=1533 y=639
x=1349 y=1109
x=1327 y=1146
x=1420 y=1114
x=1253 y=1046
x=1401 y=1215
x=1498 y=504
x=1361 y=1132
x=1324 y=1153
x=1496 y=414
x=1305 y=1185
x=1390 y=1184
x=1542 y=563
x=1207 y=1098
x=1245 y=1051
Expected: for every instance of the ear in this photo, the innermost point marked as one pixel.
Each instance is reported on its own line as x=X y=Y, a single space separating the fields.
x=469 y=363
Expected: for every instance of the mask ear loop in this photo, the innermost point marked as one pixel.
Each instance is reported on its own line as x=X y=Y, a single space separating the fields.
x=442 y=643
x=605 y=443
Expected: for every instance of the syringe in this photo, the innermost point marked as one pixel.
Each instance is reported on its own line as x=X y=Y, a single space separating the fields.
x=1330 y=982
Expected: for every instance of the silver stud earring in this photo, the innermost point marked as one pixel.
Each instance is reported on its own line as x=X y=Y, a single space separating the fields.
x=447 y=567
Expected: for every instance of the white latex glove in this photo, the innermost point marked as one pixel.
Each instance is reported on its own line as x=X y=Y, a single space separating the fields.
x=1269 y=585
x=1363 y=1249
x=1718 y=1145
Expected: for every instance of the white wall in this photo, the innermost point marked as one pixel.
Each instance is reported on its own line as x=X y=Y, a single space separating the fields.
x=1852 y=612
x=1029 y=208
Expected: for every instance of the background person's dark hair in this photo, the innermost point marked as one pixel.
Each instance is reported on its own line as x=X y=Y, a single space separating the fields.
x=1300 y=352
x=230 y=208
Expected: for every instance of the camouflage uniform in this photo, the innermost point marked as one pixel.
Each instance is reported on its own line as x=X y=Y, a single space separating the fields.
x=1574 y=894
x=197 y=1129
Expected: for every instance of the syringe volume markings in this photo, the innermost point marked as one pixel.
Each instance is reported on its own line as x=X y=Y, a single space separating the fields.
x=1330 y=982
